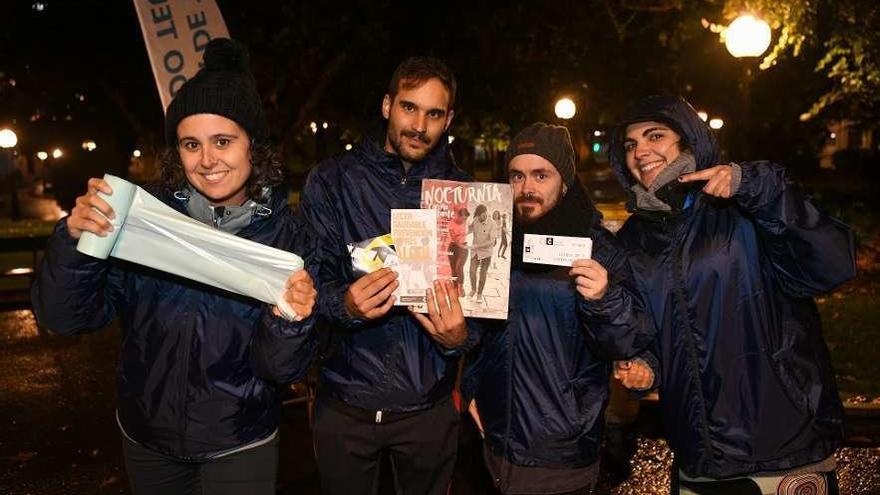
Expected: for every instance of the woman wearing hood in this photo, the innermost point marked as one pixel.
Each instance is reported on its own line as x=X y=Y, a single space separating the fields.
x=729 y=258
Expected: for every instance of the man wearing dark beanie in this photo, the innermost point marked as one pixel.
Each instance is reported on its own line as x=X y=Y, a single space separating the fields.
x=537 y=387
x=198 y=371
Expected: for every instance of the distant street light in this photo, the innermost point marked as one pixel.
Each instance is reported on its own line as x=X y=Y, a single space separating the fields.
x=747 y=36
x=8 y=139
x=565 y=108
x=89 y=145
x=703 y=115
x=57 y=153
x=716 y=123
x=43 y=156
x=136 y=153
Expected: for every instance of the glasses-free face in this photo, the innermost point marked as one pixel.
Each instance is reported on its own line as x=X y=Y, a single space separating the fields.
x=215 y=153
x=537 y=186
x=417 y=118
x=650 y=147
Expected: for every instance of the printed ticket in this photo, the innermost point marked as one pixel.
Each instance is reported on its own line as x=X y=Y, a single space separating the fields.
x=556 y=250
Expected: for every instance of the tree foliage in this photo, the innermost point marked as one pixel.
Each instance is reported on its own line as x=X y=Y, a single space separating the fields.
x=845 y=33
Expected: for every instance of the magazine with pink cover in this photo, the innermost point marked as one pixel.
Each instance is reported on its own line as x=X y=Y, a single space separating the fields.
x=474 y=229
x=415 y=240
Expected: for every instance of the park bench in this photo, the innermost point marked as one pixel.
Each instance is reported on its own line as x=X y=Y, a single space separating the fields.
x=32 y=244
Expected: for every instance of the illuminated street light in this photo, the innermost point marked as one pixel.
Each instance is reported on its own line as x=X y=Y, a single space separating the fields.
x=314 y=127
x=136 y=153
x=703 y=115
x=565 y=108
x=43 y=156
x=451 y=138
x=716 y=123
x=57 y=153
x=89 y=145
x=348 y=147
x=325 y=125
x=8 y=139
x=747 y=36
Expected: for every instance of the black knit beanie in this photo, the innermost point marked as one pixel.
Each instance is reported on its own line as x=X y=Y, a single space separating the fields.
x=223 y=86
x=551 y=142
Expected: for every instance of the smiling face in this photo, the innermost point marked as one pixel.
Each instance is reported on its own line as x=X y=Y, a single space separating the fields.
x=650 y=147
x=417 y=118
x=215 y=153
x=537 y=186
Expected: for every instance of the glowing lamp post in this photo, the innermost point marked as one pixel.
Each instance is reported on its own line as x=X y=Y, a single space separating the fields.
x=746 y=37
x=8 y=140
x=565 y=108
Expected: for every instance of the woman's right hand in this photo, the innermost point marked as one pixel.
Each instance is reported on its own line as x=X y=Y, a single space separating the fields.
x=85 y=215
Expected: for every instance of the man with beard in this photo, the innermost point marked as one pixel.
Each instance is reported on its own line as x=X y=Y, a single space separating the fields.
x=385 y=383
x=539 y=384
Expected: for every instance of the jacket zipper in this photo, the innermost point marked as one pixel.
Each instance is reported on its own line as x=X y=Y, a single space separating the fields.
x=184 y=358
x=680 y=297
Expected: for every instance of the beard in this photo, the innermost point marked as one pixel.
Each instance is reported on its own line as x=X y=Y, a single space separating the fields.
x=396 y=139
x=524 y=211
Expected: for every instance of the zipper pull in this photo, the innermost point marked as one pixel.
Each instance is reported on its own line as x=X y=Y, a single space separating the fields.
x=378 y=416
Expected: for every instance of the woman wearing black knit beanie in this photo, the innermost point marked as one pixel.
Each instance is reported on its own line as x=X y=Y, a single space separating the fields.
x=198 y=403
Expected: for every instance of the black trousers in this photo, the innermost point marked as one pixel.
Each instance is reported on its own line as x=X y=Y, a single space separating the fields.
x=249 y=472
x=421 y=448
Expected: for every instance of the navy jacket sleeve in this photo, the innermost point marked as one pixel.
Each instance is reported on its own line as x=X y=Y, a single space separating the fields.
x=281 y=351
x=317 y=206
x=618 y=325
x=74 y=293
x=811 y=253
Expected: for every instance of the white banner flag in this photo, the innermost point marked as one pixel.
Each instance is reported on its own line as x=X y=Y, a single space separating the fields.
x=176 y=33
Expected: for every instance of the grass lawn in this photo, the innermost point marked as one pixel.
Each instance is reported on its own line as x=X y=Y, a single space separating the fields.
x=851 y=319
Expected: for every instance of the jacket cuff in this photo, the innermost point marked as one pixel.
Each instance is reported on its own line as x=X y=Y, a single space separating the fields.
x=736 y=174
x=335 y=308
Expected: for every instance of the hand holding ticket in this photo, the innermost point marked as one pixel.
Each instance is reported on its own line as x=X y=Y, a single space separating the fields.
x=556 y=250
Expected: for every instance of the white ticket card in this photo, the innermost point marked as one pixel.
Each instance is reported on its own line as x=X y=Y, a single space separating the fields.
x=556 y=250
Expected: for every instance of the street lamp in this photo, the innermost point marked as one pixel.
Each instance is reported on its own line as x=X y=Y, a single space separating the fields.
x=565 y=108
x=746 y=37
x=89 y=145
x=716 y=123
x=703 y=115
x=57 y=153
x=8 y=140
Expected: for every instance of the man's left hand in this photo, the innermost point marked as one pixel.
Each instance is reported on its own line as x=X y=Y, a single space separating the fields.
x=719 y=180
x=591 y=279
x=445 y=321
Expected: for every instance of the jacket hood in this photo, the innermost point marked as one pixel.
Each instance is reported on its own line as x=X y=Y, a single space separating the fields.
x=678 y=114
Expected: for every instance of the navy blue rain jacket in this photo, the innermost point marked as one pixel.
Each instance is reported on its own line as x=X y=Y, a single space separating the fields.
x=197 y=364
x=540 y=381
x=746 y=380
x=387 y=364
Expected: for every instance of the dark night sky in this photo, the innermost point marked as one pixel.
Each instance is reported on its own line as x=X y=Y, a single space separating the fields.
x=512 y=63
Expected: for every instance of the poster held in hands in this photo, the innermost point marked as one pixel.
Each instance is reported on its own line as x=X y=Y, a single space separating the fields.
x=474 y=229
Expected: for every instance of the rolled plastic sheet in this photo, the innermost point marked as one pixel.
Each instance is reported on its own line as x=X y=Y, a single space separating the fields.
x=150 y=233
